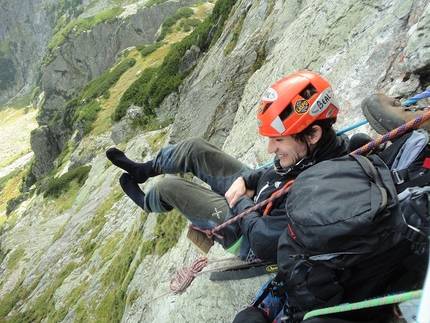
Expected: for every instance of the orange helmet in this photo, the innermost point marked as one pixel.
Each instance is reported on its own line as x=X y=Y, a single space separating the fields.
x=294 y=102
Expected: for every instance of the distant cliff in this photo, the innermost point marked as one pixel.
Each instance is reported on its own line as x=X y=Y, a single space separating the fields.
x=79 y=58
x=86 y=56
x=25 y=31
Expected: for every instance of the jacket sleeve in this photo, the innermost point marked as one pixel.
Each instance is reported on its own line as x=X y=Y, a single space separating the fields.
x=251 y=178
x=262 y=232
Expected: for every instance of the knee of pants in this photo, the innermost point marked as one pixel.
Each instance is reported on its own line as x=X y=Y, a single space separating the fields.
x=158 y=197
x=191 y=146
x=168 y=184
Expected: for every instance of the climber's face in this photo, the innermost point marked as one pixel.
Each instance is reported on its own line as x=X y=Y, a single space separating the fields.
x=288 y=150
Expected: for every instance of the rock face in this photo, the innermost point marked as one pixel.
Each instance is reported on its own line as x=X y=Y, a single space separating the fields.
x=24 y=25
x=361 y=47
x=82 y=58
x=89 y=54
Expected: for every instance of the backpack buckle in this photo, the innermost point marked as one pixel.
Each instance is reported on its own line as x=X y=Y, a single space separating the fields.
x=397 y=178
x=274 y=288
x=417 y=237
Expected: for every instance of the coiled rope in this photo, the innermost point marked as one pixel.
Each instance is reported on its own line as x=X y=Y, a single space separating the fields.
x=185 y=276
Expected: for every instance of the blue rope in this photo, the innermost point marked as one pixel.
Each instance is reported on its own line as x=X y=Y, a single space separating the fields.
x=416 y=98
x=358 y=124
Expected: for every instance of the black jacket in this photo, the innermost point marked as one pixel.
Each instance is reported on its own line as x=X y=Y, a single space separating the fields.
x=260 y=232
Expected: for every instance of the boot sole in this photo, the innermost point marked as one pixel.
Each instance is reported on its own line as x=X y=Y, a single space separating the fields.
x=379 y=117
x=199 y=240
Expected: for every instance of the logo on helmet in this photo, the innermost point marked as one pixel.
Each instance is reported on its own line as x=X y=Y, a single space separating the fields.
x=301 y=106
x=270 y=95
x=329 y=113
x=260 y=107
x=322 y=102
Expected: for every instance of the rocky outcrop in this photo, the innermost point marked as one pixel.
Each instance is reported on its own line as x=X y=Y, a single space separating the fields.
x=87 y=55
x=44 y=143
x=80 y=59
x=25 y=31
x=361 y=47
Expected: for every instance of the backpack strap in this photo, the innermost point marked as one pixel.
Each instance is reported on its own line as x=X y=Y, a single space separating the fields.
x=416 y=236
x=367 y=166
x=402 y=181
x=415 y=147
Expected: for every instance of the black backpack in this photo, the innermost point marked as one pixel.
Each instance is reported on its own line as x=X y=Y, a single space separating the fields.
x=348 y=236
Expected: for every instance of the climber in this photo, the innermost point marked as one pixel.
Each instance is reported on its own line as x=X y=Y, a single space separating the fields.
x=312 y=273
x=296 y=114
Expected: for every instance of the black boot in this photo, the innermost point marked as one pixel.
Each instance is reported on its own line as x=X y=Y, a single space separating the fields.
x=139 y=171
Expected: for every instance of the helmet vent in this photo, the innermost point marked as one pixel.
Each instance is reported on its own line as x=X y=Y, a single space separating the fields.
x=266 y=107
x=286 y=112
x=308 y=92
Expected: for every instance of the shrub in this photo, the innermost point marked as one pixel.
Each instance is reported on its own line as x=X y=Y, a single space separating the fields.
x=154 y=2
x=145 y=50
x=60 y=185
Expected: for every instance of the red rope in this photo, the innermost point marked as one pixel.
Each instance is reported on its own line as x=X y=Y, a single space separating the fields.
x=185 y=276
x=213 y=232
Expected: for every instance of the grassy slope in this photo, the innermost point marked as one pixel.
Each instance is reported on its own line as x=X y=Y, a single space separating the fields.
x=119 y=273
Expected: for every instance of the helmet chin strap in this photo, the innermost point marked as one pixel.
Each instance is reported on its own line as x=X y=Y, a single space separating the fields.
x=307 y=161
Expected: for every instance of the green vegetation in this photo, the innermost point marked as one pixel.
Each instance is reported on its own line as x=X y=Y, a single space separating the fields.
x=85 y=107
x=97 y=222
x=116 y=279
x=154 y=2
x=168 y=230
x=9 y=300
x=58 y=186
x=14 y=258
x=146 y=50
x=58 y=10
x=156 y=83
x=79 y=26
x=9 y=189
x=118 y=257
x=166 y=26
x=188 y=24
x=157 y=140
x=235 y=37
x=98 y=86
